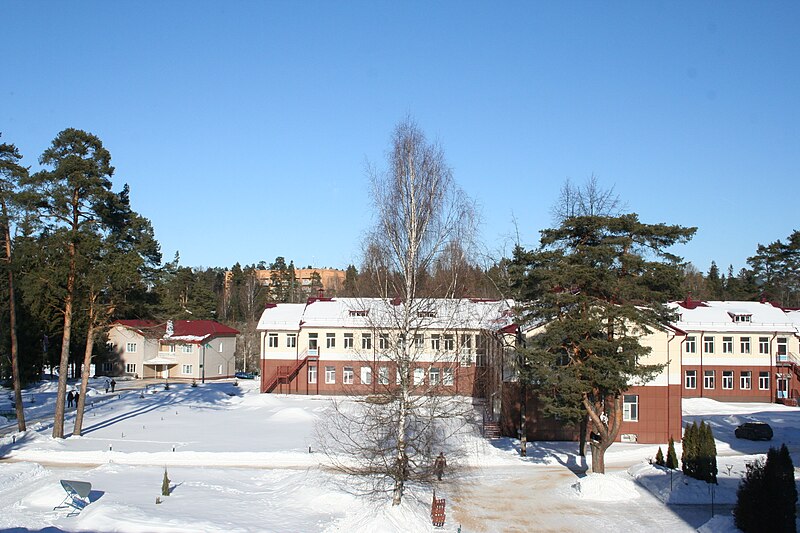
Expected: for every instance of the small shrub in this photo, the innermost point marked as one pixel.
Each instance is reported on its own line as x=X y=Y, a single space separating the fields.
x=165 y=484
x=672 y=458
x=660 y=457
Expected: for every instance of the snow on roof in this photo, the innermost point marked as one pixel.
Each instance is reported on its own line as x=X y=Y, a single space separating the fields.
x=194 y=331
x=368 y=312
x=721 y=316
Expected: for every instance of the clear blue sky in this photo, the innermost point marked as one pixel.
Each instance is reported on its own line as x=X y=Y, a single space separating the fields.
x=243 y=128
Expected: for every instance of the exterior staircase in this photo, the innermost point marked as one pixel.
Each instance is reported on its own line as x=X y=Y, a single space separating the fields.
x=491 y=429
x=286 y=373
x=790 y=362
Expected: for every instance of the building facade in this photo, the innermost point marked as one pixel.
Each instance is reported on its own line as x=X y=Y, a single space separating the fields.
x=739 y=351
x=183 y=349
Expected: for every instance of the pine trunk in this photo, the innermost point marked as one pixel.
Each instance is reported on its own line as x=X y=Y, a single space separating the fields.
x=61 y=396
x=12 y=312
x=87 y=360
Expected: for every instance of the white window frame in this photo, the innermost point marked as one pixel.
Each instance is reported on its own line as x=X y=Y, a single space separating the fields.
x=691 y=379
x=366 y=375
x=330 y=375
x=727 y=379
x=691 y=344
x=708 y=344
x=348 y=376
x=763 y=345
x=630 y=407
x=383 y=375
x=419 y=341
x=709 y=377
x=313 y=341
x=745 y=380
x=763 y=380
x=187 y=348
x=744 y=345
x=130 y=368
x=435 y=342
x=366 y=341
x=727 y=344
x=383 y=341
x=330 y=340
x=347 y=344
x=186 y=369
x=419 y=376
x=447 y=376
x=449 y=343
x=272 y=340
x=434 y=375
x=291 y=340
x=312 y=374
x=131 y=347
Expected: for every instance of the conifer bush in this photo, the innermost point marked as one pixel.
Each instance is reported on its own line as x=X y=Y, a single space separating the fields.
x=165 y=484
x=767 y=495
x=672 y=458
x=660 y=457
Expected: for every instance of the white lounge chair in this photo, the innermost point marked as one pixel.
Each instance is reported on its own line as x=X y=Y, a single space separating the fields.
x=77 y=496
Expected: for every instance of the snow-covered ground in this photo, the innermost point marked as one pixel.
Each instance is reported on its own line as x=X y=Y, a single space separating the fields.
x=243 y=461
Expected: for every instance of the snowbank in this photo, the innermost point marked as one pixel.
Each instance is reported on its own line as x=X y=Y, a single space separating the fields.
x=605 y=488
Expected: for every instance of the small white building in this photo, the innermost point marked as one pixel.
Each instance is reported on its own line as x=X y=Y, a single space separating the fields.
x=183 y=349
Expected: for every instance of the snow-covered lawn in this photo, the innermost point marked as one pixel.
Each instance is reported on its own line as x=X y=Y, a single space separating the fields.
x=243 y=461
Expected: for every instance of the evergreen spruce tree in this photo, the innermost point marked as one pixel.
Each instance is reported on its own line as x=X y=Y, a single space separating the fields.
x=672 y=458
x=165 y=484
x=689 y=455
x=660 y=457
x=702 y=469
x=711 y=456
x=767 y=496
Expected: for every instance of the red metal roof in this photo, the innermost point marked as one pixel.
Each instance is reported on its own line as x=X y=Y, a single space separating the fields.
x=181 y=328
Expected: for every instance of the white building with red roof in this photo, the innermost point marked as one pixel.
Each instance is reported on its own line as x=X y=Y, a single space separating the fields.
x=180 y=349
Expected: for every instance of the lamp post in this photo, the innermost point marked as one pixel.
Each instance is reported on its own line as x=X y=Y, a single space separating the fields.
x=203 y=365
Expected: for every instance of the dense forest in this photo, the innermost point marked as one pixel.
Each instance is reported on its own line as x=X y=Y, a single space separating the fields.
x=76 y=257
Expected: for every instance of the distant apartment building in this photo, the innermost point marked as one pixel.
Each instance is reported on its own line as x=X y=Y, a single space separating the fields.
x=182 y=349
x=331 y=280
x=739 y=351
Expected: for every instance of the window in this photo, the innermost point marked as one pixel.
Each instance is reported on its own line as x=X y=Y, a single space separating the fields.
x=782 y=348
x=366 y=375
x=170 y=348
x=745 y=380
x=741 y=318
x=330 y=340
x=449 y=343
x=130 y=368
x=744 y=344
x=347 y=375
x=419 y=376
x=433 y=376
x=358 y=312
x=399 y=377
x=330 y=374
x=466 y=344
x=447 y=377
x=708 y=379
x=727 y=344
x=366 y=341
x=312 y=373
x=130 y=347
x=763 y=345
x=630 y=407
x=220 y=347
x=219 y=370
x=383 y=341
x=691 y=345
x=691 y=379
x=708 y=344
x=419 y=341
x=272 y=340
x=312 y=341
x=763 y=381
x=186 y=369
x=383 y=375
x=291 y=340
x=108 y=367
x=727 y=379
x=186 y=348
x=426 y=314
x=435 y=342
x=348 y=341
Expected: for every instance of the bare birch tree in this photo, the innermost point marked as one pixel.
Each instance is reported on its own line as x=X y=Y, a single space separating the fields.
x=420 y=214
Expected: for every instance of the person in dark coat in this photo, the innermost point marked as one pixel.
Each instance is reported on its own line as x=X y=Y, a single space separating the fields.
x=113 y=384
x=438 y=466
x=70 y=398
x=77 y=395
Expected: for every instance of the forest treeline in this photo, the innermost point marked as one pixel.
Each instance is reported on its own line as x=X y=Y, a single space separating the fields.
x=76 y=256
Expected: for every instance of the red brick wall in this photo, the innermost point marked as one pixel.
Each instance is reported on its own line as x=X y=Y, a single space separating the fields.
x=659 y=416
x=730 y=395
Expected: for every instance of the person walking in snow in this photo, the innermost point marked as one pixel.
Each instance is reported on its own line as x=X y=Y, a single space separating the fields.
x=77 y=395
x=438 y=466
x=113 y=384
x=70 y=398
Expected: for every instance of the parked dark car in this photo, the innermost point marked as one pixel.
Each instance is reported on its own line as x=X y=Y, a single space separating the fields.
x=754 y=431
x=245 y=375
